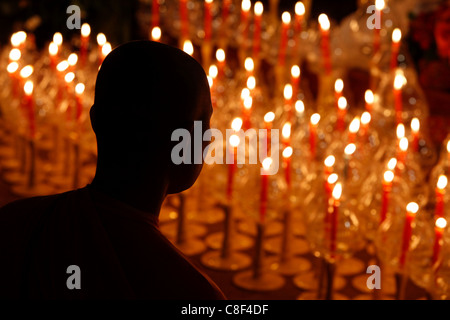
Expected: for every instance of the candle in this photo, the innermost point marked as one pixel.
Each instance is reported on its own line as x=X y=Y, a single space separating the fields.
x=156 y=34
x=57 y=39
x=287 y=153
x=398 y=103
x=295 y=79
x=403 y=148
x=18 y=39
x=392 y=164
x=225 y=11
x=286 y=22
x=251 y=83
x=29 y=107
x=440 y=192
x=299 y=14
x=415 y=126
x=314 y=121
x=286 y=134
x=85 y=32
x=388 y=177
x=101 y=40
x=79 y=89
x=26 y=71
x=106 y=49
x=155 y=14
x=188 y=47
x=342 y=111
x=268 y=120
x=299 y=108
x=325 y=42
x=266 y=164
x=72 y=60
x=249 y=66
x=336 y=194
x=348 y=151
x=247 y=102
x=338 y=88
x=353 y=129
x=184 y=20
x=396 y=37
x=234 y=143
x=379 y=6
x=365 y=120
x=208 y=19
x=220 y=57
x=258 y=10
x=369 y=99
x=12 y=68
x=440 y=225
x=287 y=93
x=245 y=9
x=411 y=210
x=53 y=52
x=328 y=166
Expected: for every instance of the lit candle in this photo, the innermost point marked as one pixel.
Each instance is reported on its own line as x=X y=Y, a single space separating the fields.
x=338 y=88
x=29 y=107
x=369 y=98
x=225 y=11
x=247 y=102
x=287 y=93
x=220 y=57
x=295 y=79
x=156 y=34
x=286 y=22
x=249 y=66
x=268 y=120
x=258 y=10
x=85 y=32
x=329 y=182
x=314 y=121
x=251 y=83
x=336 y=194
x=398 y=103
x=348 y=151
x=379 y=6
x=396 y=37
x=403 y=148
x=266 y=164
x=440 y=192
x=388 y=177
x=245 y=9
x=411 y=210
x=208 y=19
x=184 y=20
x=72 y=60
x=342 y=111
x=12 y=68
x=353 y=129
x=101 y=40
x=328 y=166
x=57 y=38
x=53 y=52
x=155 y=14
x=106 y=49
x=188 y=47
x=234 y=143
x=365 y=120
x=79 y=89
x=440 y=225
x=325 y=42
x=287 y=153
x=18 y=39
x=299 y=108
x=415 y=126
x=299 y=14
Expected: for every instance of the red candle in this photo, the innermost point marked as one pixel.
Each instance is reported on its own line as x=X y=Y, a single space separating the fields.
x=101 y=40
x=12 y=68
x=325 y=42
x=342 y=112
x=245 y=9
x=258 y=10
x=353 y=129
x=403 y=148
x=415 y=127
x=267 y=162
x=295 y=80
x=369 y=99
x=155 y=14
x=286 y=22
x=225 y=11
x=208 y=19
x=29 y=107
x=85 y=32
x=220 y=57
x=440 y=192
x=53 y=52
x=287 y=153
x=268 y=120
x=337 y=192
x=184 y=19
x=388 y=177
x=299 y=14
x=411 y=210
x=365 y=120
x=379 y=6
x=287 y=93
x=234 y=142
x=314 y=121
x=440 y=225
x=396 y=37
x=398 y=103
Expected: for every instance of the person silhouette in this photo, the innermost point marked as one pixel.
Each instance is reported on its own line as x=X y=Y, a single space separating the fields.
x=103 y=241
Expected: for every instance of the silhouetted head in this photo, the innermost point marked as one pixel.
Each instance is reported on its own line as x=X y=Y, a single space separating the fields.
x=144 y=91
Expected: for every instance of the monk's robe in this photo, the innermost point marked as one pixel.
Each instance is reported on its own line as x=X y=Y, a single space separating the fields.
x=119 y=249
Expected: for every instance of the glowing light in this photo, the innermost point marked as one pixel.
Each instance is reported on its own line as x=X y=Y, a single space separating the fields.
x=342 y=103
x=101 y=39
x=332 y=178
x=79 y=88
x=365 y=118
x=85 y=30
x=299 y=106
x=15 y=54
x=379 y=4
x=69 y=77
x=245 y=5
x=350 y=149
x=245 y=93
x=28 y=87
x=58 y=38
x=249 y=64
x=315 y=118
x=337 y=191
x=415 y=125
x=287 y=92
x=329 y=161
x=52 y=48
x=354 y=125
x=287 y=152
x=26 y=71
x=412 y=207
x=12 y=67
x=251 y=82
x=338 y=85
x=441 y=223
x=295 y=71
x=396 y=35
x=269 y=117
x=106 y=49
x=368 y=96
x=248 y=101
x=188 y=47
x=442 y=182
x=266 y=163
x=299 y=8
x=286 y=130
x=388 y=176
x=236 y=124
x=324 y=22
x=156 y=33
x=213 y=71
x=286 y=17
x=220 y=55
x=62 y=66
x=234 y=140
x=72 y=59
x=403 y=144
x=400 y=131
x=259 y=8
x=392 y=163
x=399 y=81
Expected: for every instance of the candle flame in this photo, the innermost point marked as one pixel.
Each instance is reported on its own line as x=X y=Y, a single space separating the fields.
x=245 y=93
x=62 y=66
x=156 y=33
x=354 y=125
x=236 y=124
x=213 y=71
x=441 y=223
x=329 y=161
x=388 y=176
x=287 y=152
x=400 y=131
x=266 y=163
x=245 y=5
x=299 y=8
x=392 y=163
x=234 y=140
x=106 y=49
x=188 y=47
x=101 y=39
x=415 y=125
x=286 y=17
x=412 y=207
x=220 y=55
x=287 y=92
x=26 y=71
x=368 y=96
x=209 y=1
x=210 y=81
x=365 y=118
x=299 y=106
x=251 y=82
x=342 y=103
x=248 y=101
x=52 y=48
x=58 y=38
x=12 y=67
x=18 y=38
x=28 y=87
x=337 y=191
x=396 y=35
x=79 y=88
x=379 y=4
x=249 y=65
x=442 y=182
x=324 y=22
x=350 y=149
x=338 y=85
x=332 y=178
x=448 y=146
x=403 y=144
x=295 y=71
x=72 y=59
x=286 y=131
x=269 y=117
x=15 y=54
x=85 y=30
x=399 y=81
x=69 y=77
x=315 y=118
x=259 y=8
